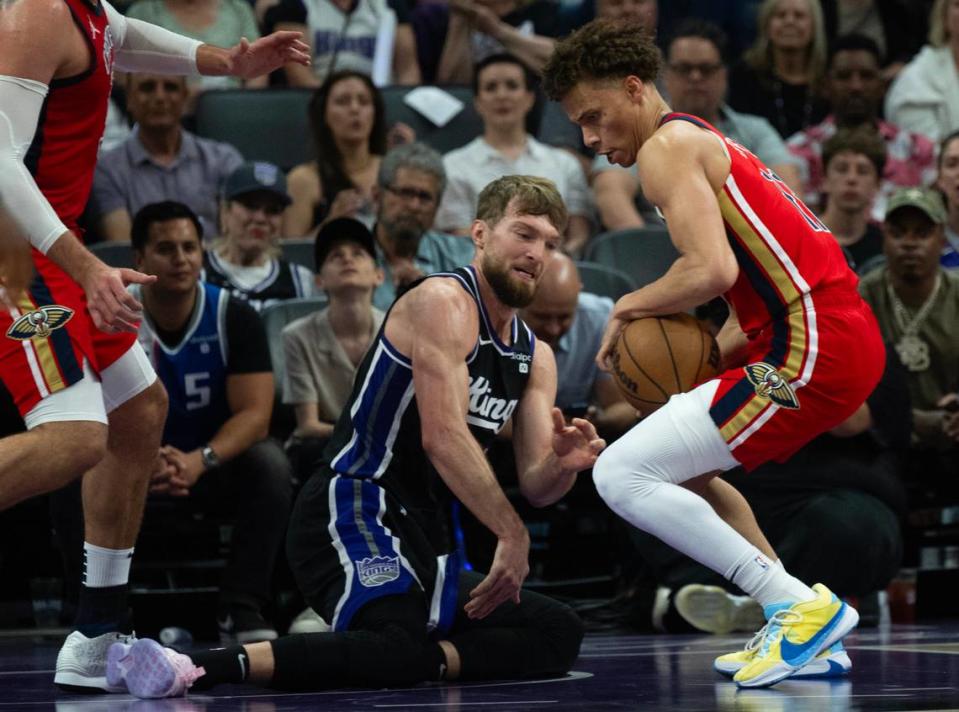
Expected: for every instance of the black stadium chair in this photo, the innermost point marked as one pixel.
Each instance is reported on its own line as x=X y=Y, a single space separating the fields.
x=263 y=124
x=299 y=251
x=461 y=129
x=115 y=254
x=605 y=281
x=643 y=253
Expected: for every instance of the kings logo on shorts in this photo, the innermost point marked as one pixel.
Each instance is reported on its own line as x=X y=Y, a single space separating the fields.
x=770 y=384
x=378 y=570
x=38 y=324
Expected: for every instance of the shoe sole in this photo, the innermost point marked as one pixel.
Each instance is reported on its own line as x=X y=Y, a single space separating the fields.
x=836 y=665
x=848 y=619
x=83 y=684
x=722 y=614
x=147 y=670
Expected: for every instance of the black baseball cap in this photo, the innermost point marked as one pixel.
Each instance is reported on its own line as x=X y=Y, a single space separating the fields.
x=342 y=230
x=254 y=177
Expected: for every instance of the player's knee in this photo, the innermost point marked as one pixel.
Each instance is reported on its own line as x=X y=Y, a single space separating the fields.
x=85 y=440
x=617 y=475
x=565 y=630
x=145 y=413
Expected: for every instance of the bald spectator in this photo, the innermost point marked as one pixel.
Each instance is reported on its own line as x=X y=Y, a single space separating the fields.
x=571 y=322
x=158 y=161
x=696 y=82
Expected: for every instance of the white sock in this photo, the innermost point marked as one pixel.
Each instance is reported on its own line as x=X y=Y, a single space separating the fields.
x=105 y=567
x=767 y=581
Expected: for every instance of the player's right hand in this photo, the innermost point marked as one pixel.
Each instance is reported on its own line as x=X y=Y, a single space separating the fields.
x=111 y=306
x=505 y=578
x=604 y=357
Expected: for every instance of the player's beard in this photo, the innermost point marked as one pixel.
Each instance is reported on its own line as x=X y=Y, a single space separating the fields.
x=508 y=289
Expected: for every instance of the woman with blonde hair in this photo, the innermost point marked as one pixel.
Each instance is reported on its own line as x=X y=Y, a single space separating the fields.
x=780 y=74
x=245 y=259
x=925 y=96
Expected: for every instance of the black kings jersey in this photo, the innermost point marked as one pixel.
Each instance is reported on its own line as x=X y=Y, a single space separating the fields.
x=378 y=434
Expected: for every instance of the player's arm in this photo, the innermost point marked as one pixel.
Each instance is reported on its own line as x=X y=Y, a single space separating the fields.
x=732 y=342
x=37 y=37
x=436 y=324
x=673 y=168
x=144 y=47
x=549 y=452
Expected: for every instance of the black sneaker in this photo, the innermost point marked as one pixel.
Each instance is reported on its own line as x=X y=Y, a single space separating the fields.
x=239 y=626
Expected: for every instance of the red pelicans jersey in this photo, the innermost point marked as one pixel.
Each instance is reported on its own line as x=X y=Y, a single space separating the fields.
x=815 y=352
x=64 y=149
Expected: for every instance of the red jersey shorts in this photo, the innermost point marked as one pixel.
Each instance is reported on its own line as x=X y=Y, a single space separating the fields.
x=47 y=336
x=805 y=374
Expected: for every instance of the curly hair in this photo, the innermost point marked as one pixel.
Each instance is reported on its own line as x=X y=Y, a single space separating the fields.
x=529 y=195
x=601 y=49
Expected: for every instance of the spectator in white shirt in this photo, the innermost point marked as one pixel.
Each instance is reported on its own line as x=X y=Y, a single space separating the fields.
x=504 y=96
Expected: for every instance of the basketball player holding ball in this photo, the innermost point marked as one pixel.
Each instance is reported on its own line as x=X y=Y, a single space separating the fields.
x=799 y=353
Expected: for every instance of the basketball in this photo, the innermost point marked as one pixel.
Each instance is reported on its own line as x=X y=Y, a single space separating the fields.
x=657 y=357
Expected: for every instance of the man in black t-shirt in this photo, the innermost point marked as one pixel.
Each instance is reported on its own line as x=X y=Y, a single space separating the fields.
x=210 y=351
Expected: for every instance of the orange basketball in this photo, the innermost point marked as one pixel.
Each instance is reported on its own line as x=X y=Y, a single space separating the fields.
x=657 y=357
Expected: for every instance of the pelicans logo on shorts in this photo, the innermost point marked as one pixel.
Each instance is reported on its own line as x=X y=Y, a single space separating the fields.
x=770 y=384
x=38 y=323
x=377 y=570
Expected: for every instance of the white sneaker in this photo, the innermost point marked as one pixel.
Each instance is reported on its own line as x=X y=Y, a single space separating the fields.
x=150 y=671
x=309 y=621
x=82 y=661
x=714 y=610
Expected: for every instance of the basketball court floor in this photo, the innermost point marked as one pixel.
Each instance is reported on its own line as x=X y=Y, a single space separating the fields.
x=902 y=668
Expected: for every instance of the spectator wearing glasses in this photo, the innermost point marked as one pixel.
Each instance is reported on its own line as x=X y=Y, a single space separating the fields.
x=158 y=161
x=409 y=186
x=244 y=259
x=696 y=82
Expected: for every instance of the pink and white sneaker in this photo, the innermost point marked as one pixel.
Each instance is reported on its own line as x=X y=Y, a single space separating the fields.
x=149 y=670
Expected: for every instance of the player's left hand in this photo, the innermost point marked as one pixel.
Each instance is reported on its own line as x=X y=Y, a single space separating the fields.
x=576 y=443
x=604 y=357
x=249 y=60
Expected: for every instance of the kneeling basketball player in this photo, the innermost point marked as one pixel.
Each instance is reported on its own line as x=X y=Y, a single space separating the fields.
x=370 y=541
x=802 y=350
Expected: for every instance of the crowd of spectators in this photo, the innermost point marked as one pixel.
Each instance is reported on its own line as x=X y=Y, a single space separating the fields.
x=840 y=98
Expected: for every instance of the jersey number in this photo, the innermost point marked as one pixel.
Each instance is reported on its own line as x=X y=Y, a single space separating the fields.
x=800 y=206
x=198 y=396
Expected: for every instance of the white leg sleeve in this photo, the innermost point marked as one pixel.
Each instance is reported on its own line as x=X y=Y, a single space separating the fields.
x=128 y=376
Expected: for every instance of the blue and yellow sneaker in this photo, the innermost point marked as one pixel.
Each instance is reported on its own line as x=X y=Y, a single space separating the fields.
x=795 y=635
x=832 y=662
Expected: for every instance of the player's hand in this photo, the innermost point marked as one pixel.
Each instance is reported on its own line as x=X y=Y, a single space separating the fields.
x=575 y=444
x=505 y=578
x=604 y=357
x=249 y=60
x=110 y=305
x=16 y=266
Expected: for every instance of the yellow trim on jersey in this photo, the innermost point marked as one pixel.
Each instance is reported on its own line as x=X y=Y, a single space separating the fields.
x=739 y=422
x=46 y=359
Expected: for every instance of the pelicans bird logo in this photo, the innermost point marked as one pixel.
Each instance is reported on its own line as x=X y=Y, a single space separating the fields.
x=39 y=323
x=770 y=384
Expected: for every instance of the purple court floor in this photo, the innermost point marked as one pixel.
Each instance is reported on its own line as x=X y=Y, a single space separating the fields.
x=905 y=668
